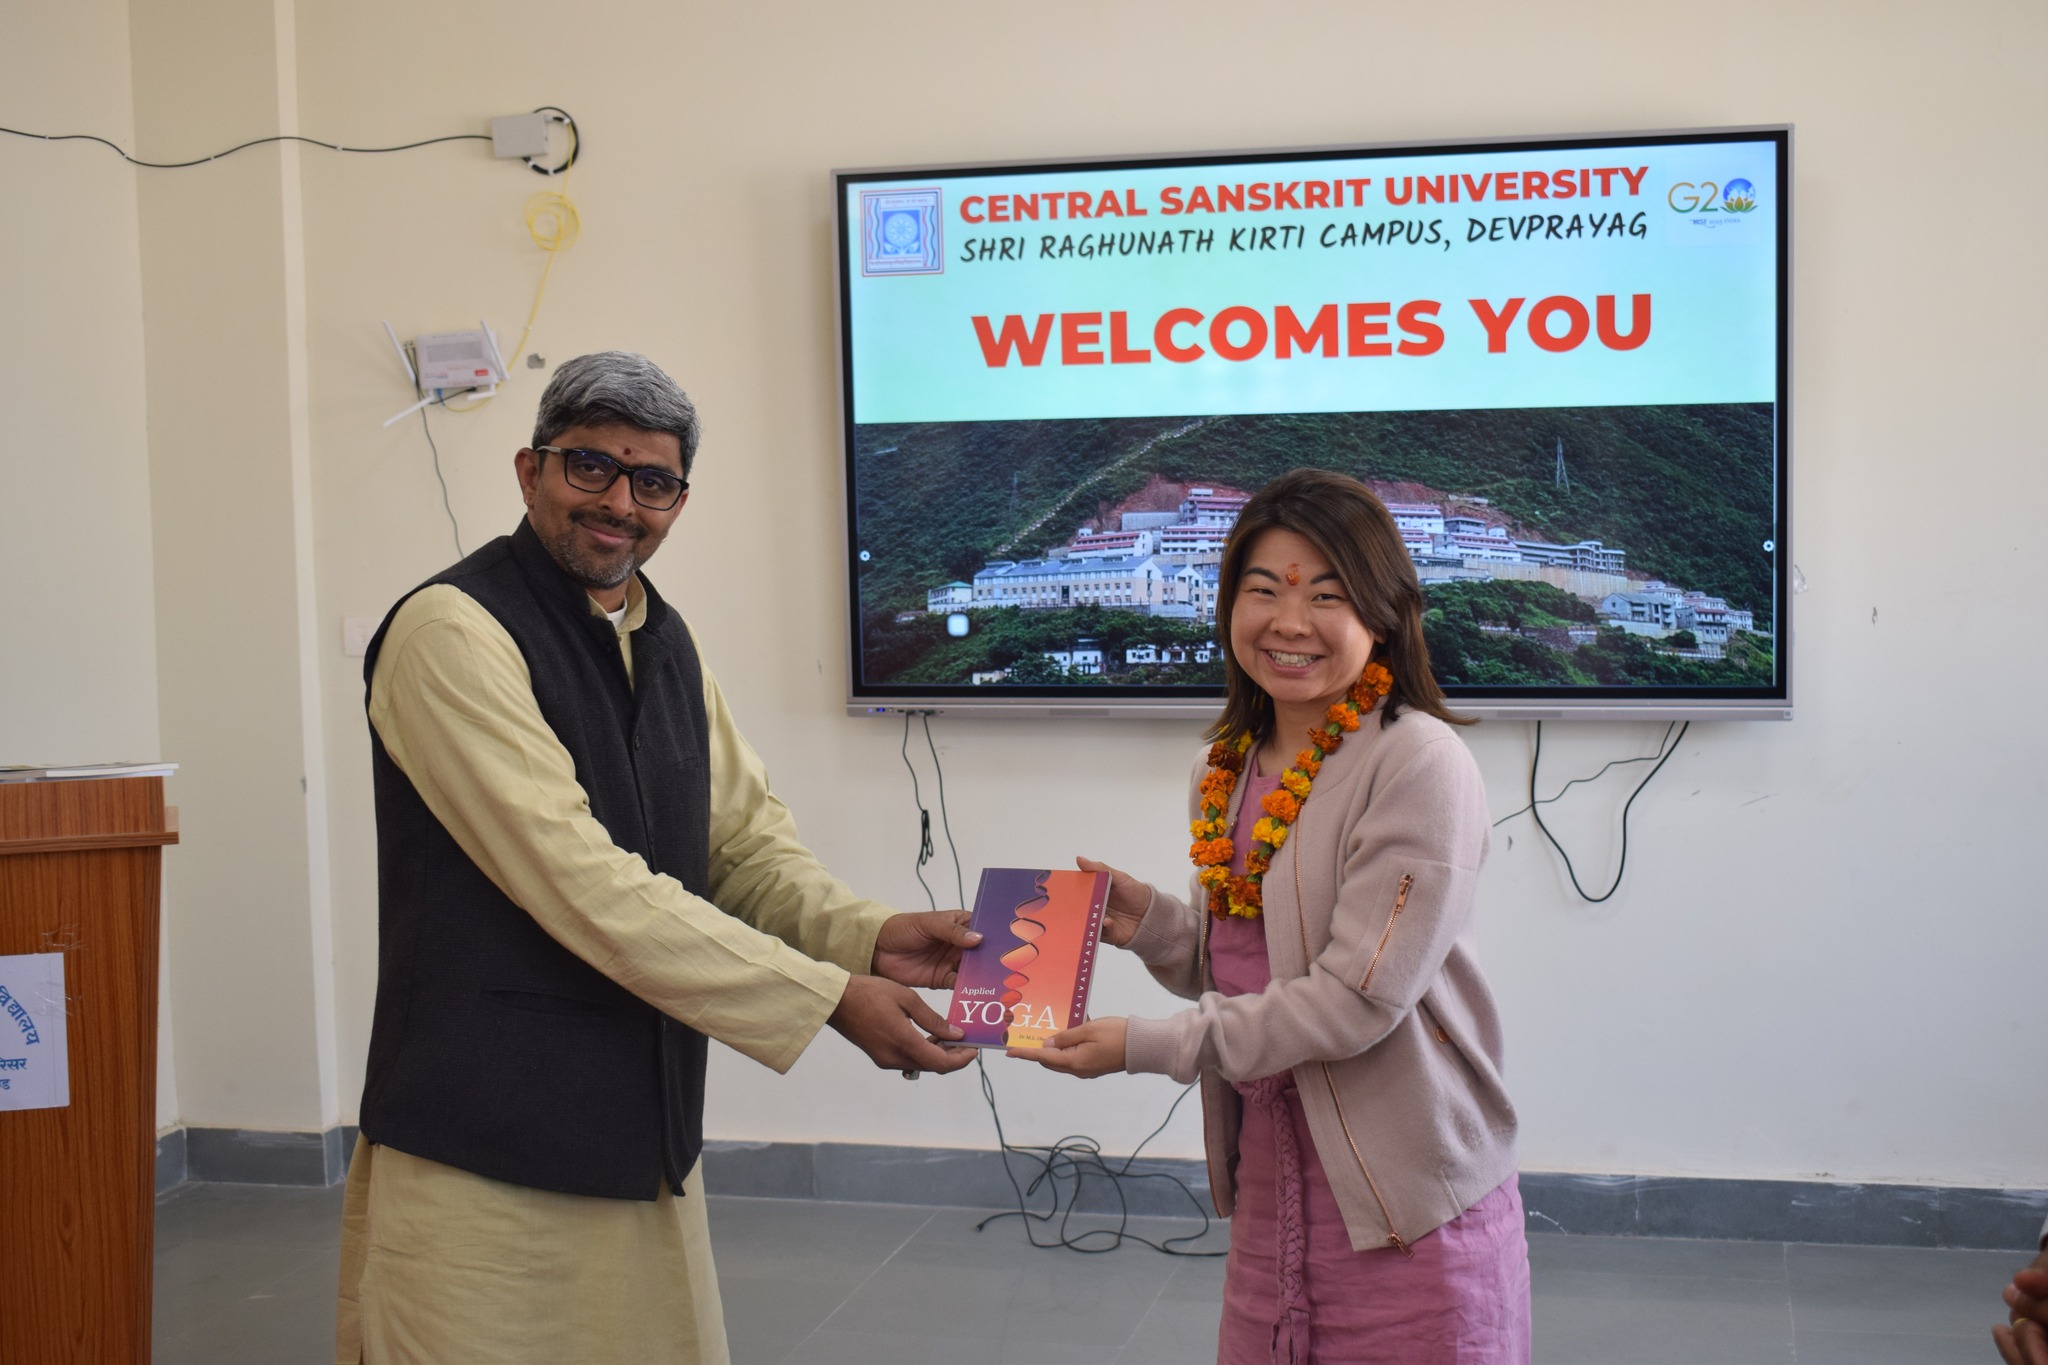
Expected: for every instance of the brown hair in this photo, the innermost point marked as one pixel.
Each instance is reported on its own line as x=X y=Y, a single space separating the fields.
x=1354 y=531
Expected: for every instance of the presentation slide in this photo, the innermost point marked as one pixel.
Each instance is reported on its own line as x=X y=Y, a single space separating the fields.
x=1559 y=366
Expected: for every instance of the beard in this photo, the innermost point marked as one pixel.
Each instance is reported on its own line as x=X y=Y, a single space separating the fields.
x=597 y=568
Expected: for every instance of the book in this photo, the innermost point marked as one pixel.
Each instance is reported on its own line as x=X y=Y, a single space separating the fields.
x=21 y=772
x=1029 y=976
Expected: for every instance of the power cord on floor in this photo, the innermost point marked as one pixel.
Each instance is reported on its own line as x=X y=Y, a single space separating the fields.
x=1666 y=747
x=1063 y=1166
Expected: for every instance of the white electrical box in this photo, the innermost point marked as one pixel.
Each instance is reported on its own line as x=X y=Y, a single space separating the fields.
x=458 y=360
x=356 y=634
x=519 y=135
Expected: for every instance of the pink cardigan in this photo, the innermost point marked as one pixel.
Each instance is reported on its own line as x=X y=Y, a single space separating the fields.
x=1377 y=1002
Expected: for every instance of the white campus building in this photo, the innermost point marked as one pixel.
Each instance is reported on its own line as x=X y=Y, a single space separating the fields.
x=1207 y=507
x=1425 y=518
x=1137 y=582
x=1081 y=658
x=948 y=598
x=1143 y=583
x=1707 y=619
x=1433 y=536
x=1165 y=564
x=1170 y=654
x=1193 y=544
x=1160 y=563
x=1660 y=610
x=1651 y=611
x=1589 y=555
x=1492 y=546
x=1090 y=543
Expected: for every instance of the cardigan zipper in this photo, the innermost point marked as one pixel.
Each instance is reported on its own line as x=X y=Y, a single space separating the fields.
x=1301 y=927
x=1400 y=900
x=1393 y=1237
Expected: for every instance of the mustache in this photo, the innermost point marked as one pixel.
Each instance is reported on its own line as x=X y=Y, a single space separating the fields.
x=610 y=523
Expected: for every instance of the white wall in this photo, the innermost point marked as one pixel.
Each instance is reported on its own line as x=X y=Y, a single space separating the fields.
x=229 y=454
x=77 y=646
x=77 y=612
x=1825 y=953
x=1824 y=961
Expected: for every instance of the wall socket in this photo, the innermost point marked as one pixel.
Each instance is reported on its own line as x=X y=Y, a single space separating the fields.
x=355 y=635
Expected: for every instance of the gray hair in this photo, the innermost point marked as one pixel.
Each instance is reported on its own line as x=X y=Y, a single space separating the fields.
x=616 y=387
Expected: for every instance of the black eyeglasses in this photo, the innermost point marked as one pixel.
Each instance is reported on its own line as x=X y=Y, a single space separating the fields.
x=593 y=471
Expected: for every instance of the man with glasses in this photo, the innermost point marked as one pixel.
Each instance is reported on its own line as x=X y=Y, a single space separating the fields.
x=582 y=878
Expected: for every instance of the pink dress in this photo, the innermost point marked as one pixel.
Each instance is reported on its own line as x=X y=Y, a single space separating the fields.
x=1294 y=1292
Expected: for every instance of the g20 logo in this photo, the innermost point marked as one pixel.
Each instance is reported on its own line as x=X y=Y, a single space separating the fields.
x=1737 y=196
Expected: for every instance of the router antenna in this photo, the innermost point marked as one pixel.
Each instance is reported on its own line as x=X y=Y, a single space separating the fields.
x=404 y=363
x=497 y=358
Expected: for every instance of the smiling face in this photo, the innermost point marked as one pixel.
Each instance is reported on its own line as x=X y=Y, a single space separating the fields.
x=1294 y=631
x=599 y=539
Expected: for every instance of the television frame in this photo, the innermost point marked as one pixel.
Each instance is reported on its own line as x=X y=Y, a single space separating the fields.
x=1068 y=702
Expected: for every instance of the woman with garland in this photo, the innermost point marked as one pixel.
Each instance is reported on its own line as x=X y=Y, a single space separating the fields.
x=1358 y=1133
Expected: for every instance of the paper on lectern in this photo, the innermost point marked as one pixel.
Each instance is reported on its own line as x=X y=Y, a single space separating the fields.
x=35 y=1070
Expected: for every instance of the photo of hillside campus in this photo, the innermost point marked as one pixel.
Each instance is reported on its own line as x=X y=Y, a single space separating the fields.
x=1606 y=547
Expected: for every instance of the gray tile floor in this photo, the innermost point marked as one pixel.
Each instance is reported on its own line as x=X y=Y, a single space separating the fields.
x=245 y=1275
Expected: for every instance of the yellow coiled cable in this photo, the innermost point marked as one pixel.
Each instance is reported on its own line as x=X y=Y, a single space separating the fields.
x=554 y=225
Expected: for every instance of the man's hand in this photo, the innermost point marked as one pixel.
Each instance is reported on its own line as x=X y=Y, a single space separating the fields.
x=2025 y=1342
x=923 y=949
x=1095 y=1048
x=889 y=1023
x=1128 y=901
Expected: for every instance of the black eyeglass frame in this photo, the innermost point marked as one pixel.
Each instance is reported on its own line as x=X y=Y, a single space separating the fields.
x=682 y=486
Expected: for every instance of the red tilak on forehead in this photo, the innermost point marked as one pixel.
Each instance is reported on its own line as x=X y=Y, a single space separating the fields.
x=1293 y=574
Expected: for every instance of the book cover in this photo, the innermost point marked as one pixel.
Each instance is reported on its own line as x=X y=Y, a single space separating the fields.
x=1028 y=978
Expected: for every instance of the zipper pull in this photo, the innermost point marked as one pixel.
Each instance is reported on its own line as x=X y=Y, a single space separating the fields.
x=1399 y=1245
x=1400 y=900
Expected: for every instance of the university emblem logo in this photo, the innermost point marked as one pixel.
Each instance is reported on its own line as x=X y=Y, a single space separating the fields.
x=899 y=233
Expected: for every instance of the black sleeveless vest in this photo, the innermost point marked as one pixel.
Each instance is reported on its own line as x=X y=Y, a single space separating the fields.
x=494 y=1048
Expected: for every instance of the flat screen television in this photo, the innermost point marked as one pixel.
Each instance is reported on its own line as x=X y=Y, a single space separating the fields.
x=1561 y=363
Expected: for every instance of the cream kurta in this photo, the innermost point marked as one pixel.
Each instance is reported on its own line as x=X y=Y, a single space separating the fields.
x=441 y=1266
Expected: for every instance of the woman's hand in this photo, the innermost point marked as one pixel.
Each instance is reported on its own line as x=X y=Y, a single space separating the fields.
x=1128 y=900
x=1095 y=1048
x=2025 y=1340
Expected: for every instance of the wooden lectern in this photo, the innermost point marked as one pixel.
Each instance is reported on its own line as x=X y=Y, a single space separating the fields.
x=79 y=875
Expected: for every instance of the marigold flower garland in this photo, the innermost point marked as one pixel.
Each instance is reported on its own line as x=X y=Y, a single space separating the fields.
x=1230 y=894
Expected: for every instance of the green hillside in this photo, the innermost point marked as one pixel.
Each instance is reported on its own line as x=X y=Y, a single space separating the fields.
x=1686 y=491
x=920 y=651
x=934 y=501
x=1476 y=635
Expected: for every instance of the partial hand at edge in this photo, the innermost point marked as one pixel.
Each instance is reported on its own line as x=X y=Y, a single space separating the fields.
x=1088 y=1050
x=923 y=949
x=889 y=1023
x=1129 y=898
x=2025 y=1341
